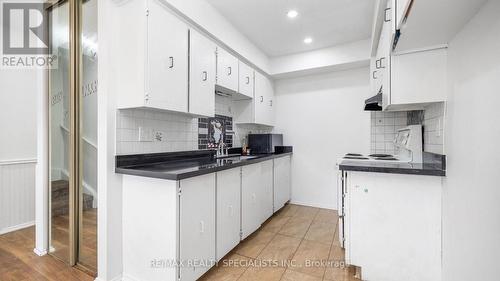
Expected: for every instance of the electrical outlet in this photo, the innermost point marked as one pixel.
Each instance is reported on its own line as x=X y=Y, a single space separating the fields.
x=145 y=134
x=159 y=136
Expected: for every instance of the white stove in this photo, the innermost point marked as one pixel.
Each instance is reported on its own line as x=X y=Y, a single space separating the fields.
x=373 y=158
x=408 y=143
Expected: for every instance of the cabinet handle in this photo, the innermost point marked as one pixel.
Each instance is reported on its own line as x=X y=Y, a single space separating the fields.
x=261 y=98
x=229 y=71
x=271 y=101
x=377 y=66
x=385 y=15
x=373 y=74
x=202 y=227
x=205 y=76
x=171 y=62
x=381 y=64
x=248 y=80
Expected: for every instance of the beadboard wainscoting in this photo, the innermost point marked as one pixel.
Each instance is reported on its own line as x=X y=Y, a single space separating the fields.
x=17 y=194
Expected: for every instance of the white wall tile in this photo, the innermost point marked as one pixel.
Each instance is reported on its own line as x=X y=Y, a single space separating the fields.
x=434 y=128
x=384 y=128
x=177 y=128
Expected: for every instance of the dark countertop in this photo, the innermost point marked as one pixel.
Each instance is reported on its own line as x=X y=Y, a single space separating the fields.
x=182 y=167
x=424 y=169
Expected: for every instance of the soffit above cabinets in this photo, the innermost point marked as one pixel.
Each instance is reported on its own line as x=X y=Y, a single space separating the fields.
x=327 y=22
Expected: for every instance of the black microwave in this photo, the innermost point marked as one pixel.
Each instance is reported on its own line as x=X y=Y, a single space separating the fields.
x=264 y=143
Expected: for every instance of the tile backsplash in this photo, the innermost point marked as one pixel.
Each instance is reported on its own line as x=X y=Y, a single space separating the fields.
x=224 y=106
x=160 y=131
x=150 y=131
x=434 y=128
x=384 y=126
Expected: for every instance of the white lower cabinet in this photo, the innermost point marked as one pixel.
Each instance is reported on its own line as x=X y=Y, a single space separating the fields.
x=197 y=226
x=196 y=221
x=256 y=196
x=250 y=193
x=396 y=219
x=266 y=191
x=282 y=182
x=228 y=210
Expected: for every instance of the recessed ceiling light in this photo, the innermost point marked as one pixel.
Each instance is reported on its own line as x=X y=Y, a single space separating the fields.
x=308 y=40
x=292 y=14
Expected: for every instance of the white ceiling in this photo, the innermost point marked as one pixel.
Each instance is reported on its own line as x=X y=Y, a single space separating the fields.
x=328 y=22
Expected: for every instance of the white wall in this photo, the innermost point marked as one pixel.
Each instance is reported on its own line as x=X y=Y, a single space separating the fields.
x=18 y=98
x=471 y=197
x=322 y=117
x=351 y=55
x=201 y=12
x=18 y=147
x=109 y=214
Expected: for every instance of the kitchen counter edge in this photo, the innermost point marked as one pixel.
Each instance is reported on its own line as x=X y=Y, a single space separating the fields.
x=185 y=175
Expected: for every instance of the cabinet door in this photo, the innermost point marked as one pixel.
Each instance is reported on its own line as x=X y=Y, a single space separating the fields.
x=419 y=77
x=263 y=100
x=270 y=104
x=266 y=191
x=167 y=60
x=227 y=70
x=201 y=75
x=402 y=7
x=250 y=205
x=197 y=225
x=228 y=211
x=384 y=61
x=281 y=182
x=246 y=80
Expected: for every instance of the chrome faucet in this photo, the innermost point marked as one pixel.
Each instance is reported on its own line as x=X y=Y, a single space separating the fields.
x=222 y=150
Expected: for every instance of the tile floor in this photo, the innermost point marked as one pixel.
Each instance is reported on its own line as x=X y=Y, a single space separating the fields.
x=298 y=243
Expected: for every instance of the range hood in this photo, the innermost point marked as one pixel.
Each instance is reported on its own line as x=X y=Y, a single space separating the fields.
x=374 y=103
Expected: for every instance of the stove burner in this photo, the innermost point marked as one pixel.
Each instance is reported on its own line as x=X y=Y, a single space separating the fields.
x=381 y=155
x=353 y=154
x=386 y=158
x=356 y=157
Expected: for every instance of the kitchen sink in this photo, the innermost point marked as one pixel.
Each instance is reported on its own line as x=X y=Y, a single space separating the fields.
x=237 y=157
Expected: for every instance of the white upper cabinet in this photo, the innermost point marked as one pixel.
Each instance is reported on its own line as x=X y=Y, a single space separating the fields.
x=167 y=60
x=419 y=77
x=202 y=67
x=402 y=9
x=227 y=70
x=153 y=49
x=408 y=80
x=246 y=80
x=259 y=110
x=264 y=100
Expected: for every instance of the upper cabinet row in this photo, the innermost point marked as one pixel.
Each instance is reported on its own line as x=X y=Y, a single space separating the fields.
x=167 y=65
x=410 y=79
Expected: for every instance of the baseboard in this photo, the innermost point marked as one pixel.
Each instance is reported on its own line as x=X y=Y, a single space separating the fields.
x=117 y=278
x=16 y=227
x=127 y=277
x=39 y=252
x=322 y=206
